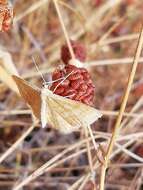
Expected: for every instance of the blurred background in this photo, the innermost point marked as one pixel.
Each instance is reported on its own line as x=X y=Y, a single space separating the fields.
x=109 y=30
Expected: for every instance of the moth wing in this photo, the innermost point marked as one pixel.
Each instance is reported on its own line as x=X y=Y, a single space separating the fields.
x=62 y=113
x=76 y=111
x=30 y=94
x=58 y=120
x=66 y=120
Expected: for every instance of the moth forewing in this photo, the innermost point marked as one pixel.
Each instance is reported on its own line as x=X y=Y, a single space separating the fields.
x=82 y=113
x=56 y=113
x=67 y=114
x=61 y=113
x=30 y=94
x=62 y=125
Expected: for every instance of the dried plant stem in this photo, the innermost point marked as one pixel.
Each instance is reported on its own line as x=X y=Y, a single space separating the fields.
x=64 y=28
x=48 y=164
x=122 y=109
x=104 y=112
x=119 y=39
x=7 y=68
x=111 y=29
x=131 y=154
x=31 y=9
x=94 y=143
x=16 y=144
x=5 y=77
x=126 y=60
x=133 y=110
x=117 y=151
x=54 y=162
x=77 y=183
x=88 y=150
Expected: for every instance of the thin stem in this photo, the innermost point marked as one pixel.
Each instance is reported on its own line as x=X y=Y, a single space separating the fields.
x=16 y=144
x=64 y=29
x=94 y=143
x=89 y=150
x=122 y=109
x=49 y=163
x=89 y=155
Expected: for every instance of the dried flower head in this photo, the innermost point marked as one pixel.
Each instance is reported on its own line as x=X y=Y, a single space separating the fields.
x=79 y=51
x=77 y=86
x=6 y=16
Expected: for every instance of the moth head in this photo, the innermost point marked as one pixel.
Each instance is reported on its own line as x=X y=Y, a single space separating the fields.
x=46 y=91
x=45 y=85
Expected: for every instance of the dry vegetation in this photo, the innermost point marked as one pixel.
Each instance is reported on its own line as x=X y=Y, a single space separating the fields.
x=110 y=31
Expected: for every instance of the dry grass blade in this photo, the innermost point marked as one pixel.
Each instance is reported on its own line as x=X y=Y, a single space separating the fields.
x=16 y=144
x=54 y=163
x=117 y=151
x=90 y=161
x=7 y=79
x=31 y=9
x=64 y=29
x=104 y=112
x=127 y=60
x=7 y=68
x=122 y=109
x=8 y=62
x=44 y=167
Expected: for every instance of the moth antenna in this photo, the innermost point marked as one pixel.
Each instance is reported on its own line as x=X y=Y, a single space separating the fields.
x=49 y=82
x=62 y=81
x=37 y=68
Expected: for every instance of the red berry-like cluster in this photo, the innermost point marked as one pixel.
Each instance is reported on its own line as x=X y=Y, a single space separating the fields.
x=77 y=86
x=6 y=16
x=79 y=51
x=71 y=81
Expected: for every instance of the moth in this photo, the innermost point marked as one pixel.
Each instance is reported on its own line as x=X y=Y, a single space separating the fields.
x=59 y=112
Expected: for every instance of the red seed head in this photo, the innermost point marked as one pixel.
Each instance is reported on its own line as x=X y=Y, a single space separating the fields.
x=77 y=86
x=6 y=13
x=79 y=51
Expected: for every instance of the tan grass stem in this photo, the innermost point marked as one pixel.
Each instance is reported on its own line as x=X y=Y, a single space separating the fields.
x=44 y=167
x=16 y=144
x=122 y=109
x=54 y=162
x=64 y=28
x=88 y=150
